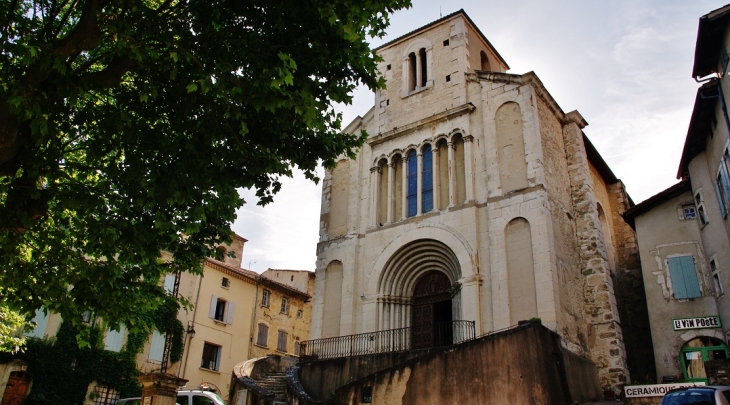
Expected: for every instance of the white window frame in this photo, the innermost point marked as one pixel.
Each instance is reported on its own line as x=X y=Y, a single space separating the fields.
x=701 y=211
x=716 y=281
x=285 y=305
x=265 y=298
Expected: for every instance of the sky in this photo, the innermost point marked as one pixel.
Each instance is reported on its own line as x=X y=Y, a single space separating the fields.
x=625 y=65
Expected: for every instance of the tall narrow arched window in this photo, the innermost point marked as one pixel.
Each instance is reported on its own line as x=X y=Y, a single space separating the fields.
x=412 y=69
x=424 y=67
x=412 y=186
x=427 y=179
x=383 y=192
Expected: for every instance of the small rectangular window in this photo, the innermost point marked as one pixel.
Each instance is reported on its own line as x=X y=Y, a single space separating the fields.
x=225 y=282
x=700 y=204
x=684 y=277
x=285 y=305
x=300 y=313
x=689 y=212
x=281 y=341
x=263 y=336
x=86 y=317
x=387 y=67
x=220 y=310
x=448 y=78
x=716 y=278
x=446 y=42
x=265 y=295
x=211 y=357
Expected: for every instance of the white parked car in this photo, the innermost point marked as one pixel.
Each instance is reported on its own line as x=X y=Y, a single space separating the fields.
x=185 y=396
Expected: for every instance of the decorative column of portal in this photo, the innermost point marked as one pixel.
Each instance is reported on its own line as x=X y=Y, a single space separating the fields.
x=436 y=179
x=404 y=189
x=374 y=191
x=419 y=186
x=452 y=174
x=391 y=190
x=469 y=182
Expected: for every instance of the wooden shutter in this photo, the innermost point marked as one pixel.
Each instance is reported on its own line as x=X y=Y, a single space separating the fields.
x=684 y=277
x=262 y=338
x=229 y=312
x=169 y=282
x=213 y=302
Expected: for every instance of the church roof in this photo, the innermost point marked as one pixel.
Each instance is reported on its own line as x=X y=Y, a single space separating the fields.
x=439 y=21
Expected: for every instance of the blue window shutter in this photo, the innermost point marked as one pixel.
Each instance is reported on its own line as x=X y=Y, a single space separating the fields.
x=229 y=313
x=41 y=320
x=213 y=302
x=427 y=178
x=412 y=184
x=157 y=346
x=684 y=277
x=725 y=180
x=169 y=282
x=113 y=340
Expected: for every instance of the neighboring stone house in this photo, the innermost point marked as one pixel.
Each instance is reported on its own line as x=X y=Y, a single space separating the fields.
x=283 y=312
x=684 y=231
x=476 y=198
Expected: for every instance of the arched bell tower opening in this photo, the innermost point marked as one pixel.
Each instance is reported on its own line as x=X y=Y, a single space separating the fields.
x=432 y=312
x=419 y=286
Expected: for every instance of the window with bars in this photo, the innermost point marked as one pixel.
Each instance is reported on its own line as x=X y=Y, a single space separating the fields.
x=281 y=341
x=262 y=339
x=105 y=395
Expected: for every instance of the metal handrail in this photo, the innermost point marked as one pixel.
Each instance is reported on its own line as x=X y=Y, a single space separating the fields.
x=391 y=340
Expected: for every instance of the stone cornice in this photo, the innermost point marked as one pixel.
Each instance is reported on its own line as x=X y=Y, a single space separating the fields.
x=415 y=126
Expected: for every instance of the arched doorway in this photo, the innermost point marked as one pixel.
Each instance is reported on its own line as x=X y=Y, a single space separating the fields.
x=696 y=352
x=432 y=313
x=16 y=388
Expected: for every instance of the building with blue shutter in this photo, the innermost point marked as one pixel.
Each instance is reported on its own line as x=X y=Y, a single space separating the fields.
x=684 y=231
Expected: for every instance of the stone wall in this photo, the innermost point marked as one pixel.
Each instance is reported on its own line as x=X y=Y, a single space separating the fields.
x=605 y=337
x=523 y=365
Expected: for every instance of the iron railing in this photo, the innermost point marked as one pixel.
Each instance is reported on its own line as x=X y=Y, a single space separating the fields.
x=391 y=340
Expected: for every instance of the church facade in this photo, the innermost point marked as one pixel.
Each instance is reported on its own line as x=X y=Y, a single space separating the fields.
x=476 y=198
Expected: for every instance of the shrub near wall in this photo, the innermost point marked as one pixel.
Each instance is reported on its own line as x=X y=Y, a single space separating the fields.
x=62 y=371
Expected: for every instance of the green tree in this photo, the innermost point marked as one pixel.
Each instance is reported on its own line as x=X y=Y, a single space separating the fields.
x=127 y=127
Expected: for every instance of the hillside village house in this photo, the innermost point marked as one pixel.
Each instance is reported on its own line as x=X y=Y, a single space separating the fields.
x=684 y=231
x=219 y=330
x=476 y=198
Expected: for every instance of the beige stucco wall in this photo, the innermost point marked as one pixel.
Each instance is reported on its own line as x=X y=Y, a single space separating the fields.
x=664 y=232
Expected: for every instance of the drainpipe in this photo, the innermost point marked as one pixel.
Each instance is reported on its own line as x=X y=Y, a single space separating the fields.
x=195 y=311
x=253 y=317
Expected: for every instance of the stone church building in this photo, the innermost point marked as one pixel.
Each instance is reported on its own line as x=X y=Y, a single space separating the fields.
x=476 y=198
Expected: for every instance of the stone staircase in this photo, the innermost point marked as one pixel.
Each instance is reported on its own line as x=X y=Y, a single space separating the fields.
x=274 y=382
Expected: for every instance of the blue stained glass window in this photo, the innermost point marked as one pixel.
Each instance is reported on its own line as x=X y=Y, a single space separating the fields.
x=412 y=184
x=427 y=179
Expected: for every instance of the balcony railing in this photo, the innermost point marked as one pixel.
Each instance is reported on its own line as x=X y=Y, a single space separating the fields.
x=391 y=340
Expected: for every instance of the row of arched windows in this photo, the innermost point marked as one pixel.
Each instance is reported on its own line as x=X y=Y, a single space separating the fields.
x=421 y=179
